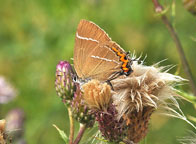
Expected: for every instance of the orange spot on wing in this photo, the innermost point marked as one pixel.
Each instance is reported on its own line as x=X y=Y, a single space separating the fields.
x=114 y=49
x=122 y=58
x=119 y=54
x=125 y=69
x=124 y=65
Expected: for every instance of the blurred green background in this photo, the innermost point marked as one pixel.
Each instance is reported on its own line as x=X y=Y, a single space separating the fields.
x=36 y=34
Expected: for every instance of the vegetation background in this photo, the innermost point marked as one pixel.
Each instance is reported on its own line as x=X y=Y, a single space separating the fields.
x=35 y=35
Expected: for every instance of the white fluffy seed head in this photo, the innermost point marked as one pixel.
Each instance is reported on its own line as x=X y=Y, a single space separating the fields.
x=146 y=86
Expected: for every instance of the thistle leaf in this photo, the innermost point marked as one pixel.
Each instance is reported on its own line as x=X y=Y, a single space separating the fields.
x=62 y=134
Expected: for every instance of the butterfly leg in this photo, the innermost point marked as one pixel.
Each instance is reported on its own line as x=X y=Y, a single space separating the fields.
x=109 y=83
x=112 y=77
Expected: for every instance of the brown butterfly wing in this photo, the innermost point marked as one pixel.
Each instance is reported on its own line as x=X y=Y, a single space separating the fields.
x=93 y=57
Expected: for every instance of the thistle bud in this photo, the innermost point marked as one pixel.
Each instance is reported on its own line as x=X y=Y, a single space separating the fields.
x=80 y=110
x=64 y=81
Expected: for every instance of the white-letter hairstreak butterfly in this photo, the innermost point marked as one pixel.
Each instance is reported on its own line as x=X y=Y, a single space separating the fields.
x=96 y=56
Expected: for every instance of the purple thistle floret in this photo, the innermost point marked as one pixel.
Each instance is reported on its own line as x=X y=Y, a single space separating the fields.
x=64 y=81
x=112 y=129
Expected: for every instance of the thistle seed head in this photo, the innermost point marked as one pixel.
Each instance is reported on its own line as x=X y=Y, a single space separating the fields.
x=97 y=95
x=147 y=86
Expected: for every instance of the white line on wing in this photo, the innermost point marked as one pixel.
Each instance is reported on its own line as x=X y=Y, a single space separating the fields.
x=85 y=38
x=105 y=59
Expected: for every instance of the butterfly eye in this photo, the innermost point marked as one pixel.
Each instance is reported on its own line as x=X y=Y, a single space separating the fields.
x=75 y=78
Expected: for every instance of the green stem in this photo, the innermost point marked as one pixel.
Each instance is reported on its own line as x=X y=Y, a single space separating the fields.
x=80 y=133
x=159 y=9
x=71 y=135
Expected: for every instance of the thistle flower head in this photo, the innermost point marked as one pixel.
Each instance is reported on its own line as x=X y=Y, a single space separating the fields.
x=141 y=93
x=64 y=81
x=97 y=95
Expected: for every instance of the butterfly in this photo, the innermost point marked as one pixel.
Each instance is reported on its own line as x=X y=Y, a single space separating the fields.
x=96 y=56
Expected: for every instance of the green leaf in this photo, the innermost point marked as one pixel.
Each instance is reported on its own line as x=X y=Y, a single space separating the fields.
x=62 y=134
